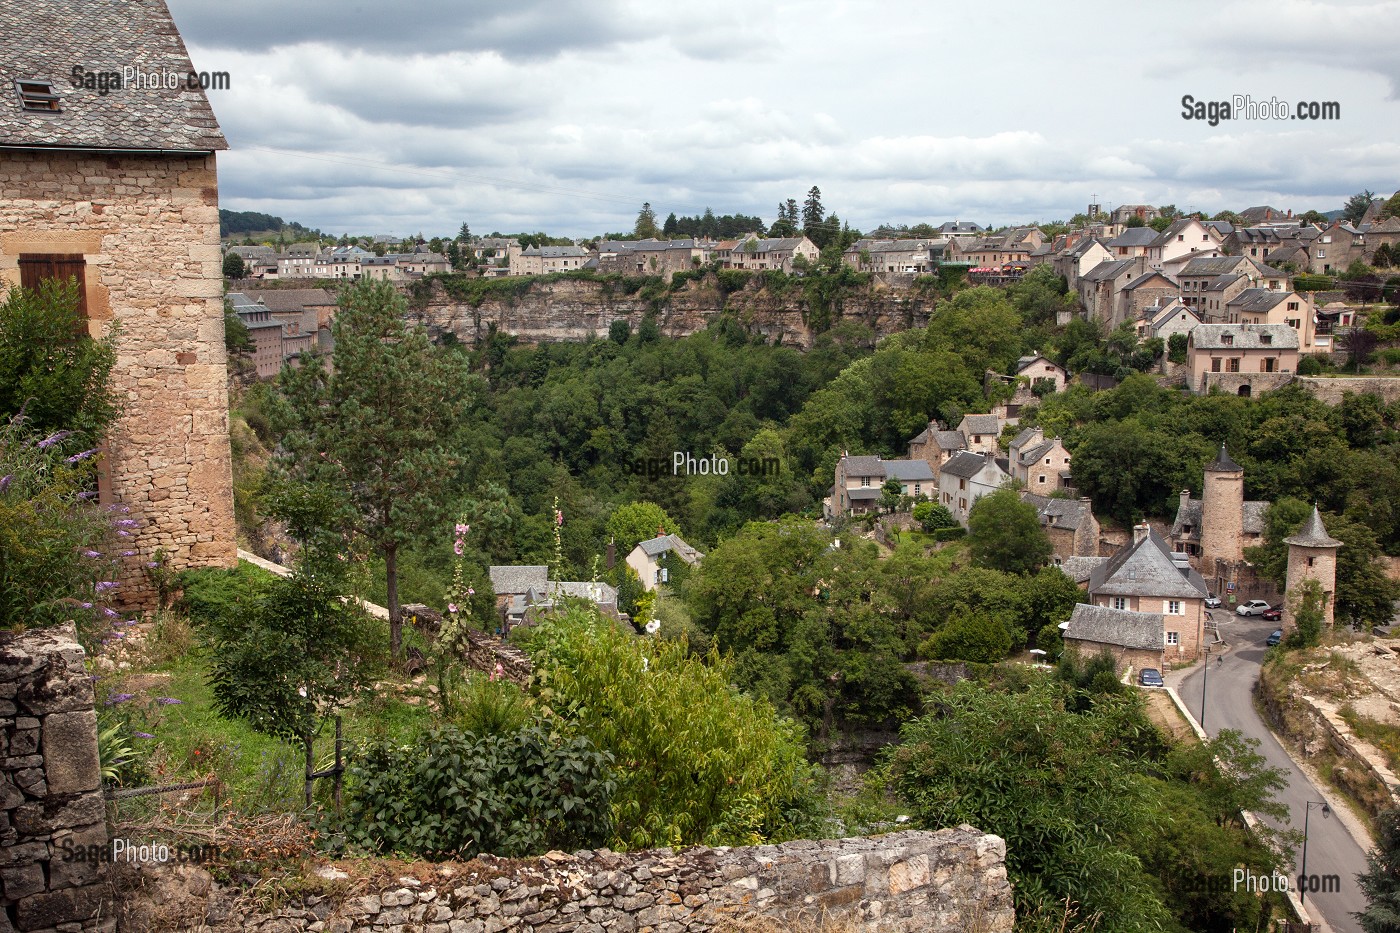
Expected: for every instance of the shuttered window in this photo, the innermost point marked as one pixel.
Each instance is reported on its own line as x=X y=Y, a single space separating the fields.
x=34 y=269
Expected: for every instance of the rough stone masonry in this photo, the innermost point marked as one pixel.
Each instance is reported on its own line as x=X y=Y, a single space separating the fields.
x=950 y=881
x=50 y=787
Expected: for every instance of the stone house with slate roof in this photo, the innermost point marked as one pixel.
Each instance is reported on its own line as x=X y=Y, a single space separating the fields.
x=542 y=260
x=1165 y=319
x=967 y=477
x=1041 y=464
x=1148 y=290
x=1076 y=261
x=119 y=191
x=1135 y=639
x=1143 y=576
x=1241 y=358
x=857 y=489
x=1132 y=242
x=1101 y=288
x=525 y=589
x=1069 y=524
x=646 y=558
x=771 y=253
x=1184 y=238
x=980 y=432
x=934 y=445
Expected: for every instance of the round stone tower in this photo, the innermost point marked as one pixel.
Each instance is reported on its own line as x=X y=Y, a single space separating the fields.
x=1312 y=555
x=1222 y=513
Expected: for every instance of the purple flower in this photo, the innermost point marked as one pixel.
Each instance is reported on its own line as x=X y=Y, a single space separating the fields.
x=471 y=591
x=109 y=612
x=53 y=439
x=124 y=533
x=119 y=698
x=168 y=701
x=462 y=529
x=5 y=481
x=105 y=585
x=451 y=607
x=128 y=553
x=143 y=735
x=125 y=523
x=152 y=564
x=91 y=554
x=80 y=456
x=87 y=495
x=86 y=605
x=457 y=547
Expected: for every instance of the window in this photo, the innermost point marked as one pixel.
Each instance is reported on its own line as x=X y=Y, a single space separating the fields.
x=1040 y=478
x=1227 y=340
x=962 y=484
x=1266 y=339
x=1268 y=365
x=1310 y=561
x=1293 y=306
x=918 y=490
x=1173 y=638
x=1174 y=607
x=1232 y=365
x=35 y=268
x=37 y=95
x=1215 y=365
x=1120 y=602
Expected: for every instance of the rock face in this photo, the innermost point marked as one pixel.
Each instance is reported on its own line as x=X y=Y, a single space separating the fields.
x=950 y=881
x=552 y=310
x=53 y=834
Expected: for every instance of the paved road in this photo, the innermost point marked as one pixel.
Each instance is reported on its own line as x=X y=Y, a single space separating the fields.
x=1229 y=705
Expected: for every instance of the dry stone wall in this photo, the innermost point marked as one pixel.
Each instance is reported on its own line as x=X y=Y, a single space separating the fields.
x=553 y=310
x=1331 y=390
x=147 y=227
x=52 y=815
x=950 y=881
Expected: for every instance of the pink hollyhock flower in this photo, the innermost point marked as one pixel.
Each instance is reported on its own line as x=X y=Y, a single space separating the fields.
x=451 y=607
x=458 y=547
x=462 y=529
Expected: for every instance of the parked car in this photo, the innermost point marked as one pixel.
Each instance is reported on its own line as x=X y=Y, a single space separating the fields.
x=1273 y=615
x=1150 y=677
x=1274 y=638
x=1212 y=601
x=1254 y=607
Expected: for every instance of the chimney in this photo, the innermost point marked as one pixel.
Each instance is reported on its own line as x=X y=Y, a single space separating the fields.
x=1140 y=532
x=611 y=552
x=1185 y=498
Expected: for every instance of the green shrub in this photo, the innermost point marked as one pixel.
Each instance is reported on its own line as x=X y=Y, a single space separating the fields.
x=950 y=534
x=213 y=594
x=456 y=795
x=1313 y=283
x=483 y=706
x=969 y=637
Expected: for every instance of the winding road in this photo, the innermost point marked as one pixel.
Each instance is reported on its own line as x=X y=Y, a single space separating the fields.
x=1229 y=704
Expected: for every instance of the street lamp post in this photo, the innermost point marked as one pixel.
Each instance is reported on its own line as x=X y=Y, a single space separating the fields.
x=1303 y=872
x=1205 y=680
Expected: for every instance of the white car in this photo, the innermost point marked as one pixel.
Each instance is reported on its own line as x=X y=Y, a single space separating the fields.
x=1212 y=601
x=1255 y=607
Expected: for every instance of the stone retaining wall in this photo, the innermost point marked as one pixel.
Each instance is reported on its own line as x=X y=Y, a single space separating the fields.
x=950 y=881
x=50 y=782
x=1331 y=390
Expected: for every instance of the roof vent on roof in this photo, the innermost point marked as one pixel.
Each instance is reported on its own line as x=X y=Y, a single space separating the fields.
x=36 y=94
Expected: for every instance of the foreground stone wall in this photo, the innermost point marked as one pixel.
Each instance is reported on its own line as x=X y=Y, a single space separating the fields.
x=50 y=787
x=569 y=309
x=1332 y=390
x=950 y=881
x=147 y=228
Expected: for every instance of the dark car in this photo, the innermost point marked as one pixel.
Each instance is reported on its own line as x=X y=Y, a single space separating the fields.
x=1150 y=677
x=1273 y=615
x=1274 y=638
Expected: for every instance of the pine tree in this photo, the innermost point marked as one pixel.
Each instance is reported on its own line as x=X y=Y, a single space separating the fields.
x=668 y=229
x=812 y=216
x=464 y=234
x=1381 y=881
x=377 y=430
x=646 y=223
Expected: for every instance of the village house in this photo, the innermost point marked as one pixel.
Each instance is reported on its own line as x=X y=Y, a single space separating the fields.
x=652 y=257
x=648 y=558
x=772 y=253
x=934 y=445
x=1123 y=213
x=1143 y=576
x=1241 y=358
x=1038 y=369
x=1069 y=524
x=1041 y=465
x=980 y=432
x=1080 y=257
x=967 y=477
x=1268 y=244
x=304 y=311
x=1186 y=237
x=1208 y=284
x=276 y=340
x=889 y=256
x=1150 y=289
x=1101 y=288
x=1132 y=242
x=382 y=268
x=1284 y=306
x=119 y=192
x=860 y=481
x=1135 y=640
x=523 y=591
x=543 y=260
x=959 y=227
x=1164 y=320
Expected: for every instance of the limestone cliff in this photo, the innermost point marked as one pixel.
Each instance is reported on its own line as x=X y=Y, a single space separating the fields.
x=550 y=309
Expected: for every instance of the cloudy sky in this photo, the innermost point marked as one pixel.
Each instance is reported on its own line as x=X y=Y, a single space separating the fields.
x=366 y=116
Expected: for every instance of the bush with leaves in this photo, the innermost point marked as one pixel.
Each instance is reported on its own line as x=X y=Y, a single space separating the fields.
x=699 y=762
x=456 y=795
x=933 y=516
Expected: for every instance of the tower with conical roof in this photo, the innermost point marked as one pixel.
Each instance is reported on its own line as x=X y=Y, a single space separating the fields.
x=1312 y=555
x=1222 y=513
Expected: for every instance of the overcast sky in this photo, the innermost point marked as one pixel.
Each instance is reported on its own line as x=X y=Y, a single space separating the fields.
x=371 y=117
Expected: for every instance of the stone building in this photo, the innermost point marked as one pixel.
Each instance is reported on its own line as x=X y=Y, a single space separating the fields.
x=1134 y=639
x=1146 y=577
x=1215 y=530
x=1312 y=555
x=119 y=191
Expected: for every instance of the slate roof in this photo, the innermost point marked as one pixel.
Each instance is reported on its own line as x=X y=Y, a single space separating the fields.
x=1171 y=233
x=1190 y=514
x=293 y=299
x=600 y=593
x=1210 y=265
x=1313 y=533
x=44 y=39
x=980 y=424
x=1222 y=227
x=556 y=252
x=1139 y=630
x=1108 y=269
x=965 y=464
x=654 y=547
x=1146 y=277
x=1079 y=569
x=862 y=494
x=1057 y=512
x=1223 y=463
x=1023 y=437
x=1082 y=247
x=1223 y=282
x=1146 y=568
x=778 y=244
x=1134 y=236
x=950 y=440
x=959 y=226
x=1025 y=361
x=1030 y=456
x=1245 y=337
x=864 y=466
x=518 y=578
x=1257 y=300
x=909 y=471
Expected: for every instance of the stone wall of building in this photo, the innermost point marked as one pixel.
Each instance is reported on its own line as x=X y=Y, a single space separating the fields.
x=950 y=881
x=573 y=309
x=147 y=227
x=52 y=817
x=1331 y=390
